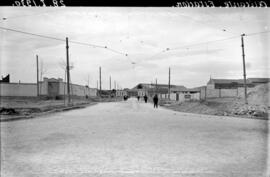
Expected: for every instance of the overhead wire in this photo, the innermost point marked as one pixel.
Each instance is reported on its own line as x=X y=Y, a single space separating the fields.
x=219 y=40
x=252 y=34
x=188 y=46
x=115 y=51
x=203 y=43
x=27 y=33
x=71 y=41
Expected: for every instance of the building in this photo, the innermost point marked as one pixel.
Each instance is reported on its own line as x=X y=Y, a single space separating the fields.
x=227 y=83
x=152 y=89
x=235 y=83
x=181 y=94
x=257 y=81
x=121 y=93
x=49 y=87
x=229 y=87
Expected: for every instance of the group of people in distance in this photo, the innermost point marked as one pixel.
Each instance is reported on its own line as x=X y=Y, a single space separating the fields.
x=155 y=100
x=125 y=97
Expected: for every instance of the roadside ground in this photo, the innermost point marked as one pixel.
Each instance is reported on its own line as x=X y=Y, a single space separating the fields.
x=220 y=106
x=16 y=108
x=258 y=106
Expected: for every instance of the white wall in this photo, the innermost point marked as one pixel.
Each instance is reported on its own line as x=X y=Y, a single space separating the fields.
x=216 y=93
x=181 y=96
x=43 y=88
x=121 y=92
x=195 y=96
x=25 y=89
x=77 y=90
x=172 y=96
x=16 y=89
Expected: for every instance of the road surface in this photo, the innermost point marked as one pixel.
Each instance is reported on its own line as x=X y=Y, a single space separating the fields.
x=133 y=139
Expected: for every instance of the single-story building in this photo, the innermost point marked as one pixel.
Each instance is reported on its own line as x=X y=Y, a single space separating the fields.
x=230 y=87
x=152 y=89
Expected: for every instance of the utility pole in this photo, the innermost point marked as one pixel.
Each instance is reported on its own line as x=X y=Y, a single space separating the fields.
x=68 y=76
x=88 y=81
x=98 y=93
x=110 y=83
x=244 y=67
x=37 y=76
x=169 y=86
x=100 y=78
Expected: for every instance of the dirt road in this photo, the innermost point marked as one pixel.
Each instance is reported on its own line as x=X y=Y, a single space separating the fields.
x=133 y=139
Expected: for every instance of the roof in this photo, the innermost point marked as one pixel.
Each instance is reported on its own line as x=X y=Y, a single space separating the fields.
x=147 y=86
x=226 y=81
x=259 y=80
x=179 y=89
x=238 y=81
x=197 y=89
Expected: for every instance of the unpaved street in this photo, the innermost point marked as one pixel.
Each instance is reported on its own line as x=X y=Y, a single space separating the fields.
x=133 y=139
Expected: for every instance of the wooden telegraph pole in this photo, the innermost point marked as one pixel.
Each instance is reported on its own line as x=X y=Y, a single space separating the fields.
x=244 y=67
x=68 y=76
x=100 y=78
x=37 y=76
x=110 y=83
x=169 y=86
x=88 y=81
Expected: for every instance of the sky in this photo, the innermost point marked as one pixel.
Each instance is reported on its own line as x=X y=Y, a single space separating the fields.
x=154 y=39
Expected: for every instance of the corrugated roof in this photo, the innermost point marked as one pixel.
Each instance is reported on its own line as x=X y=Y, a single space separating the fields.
x=146 y=86
x=197 y=89
x=239 y=81
x=260 y=80
x=227 y=81
x=179 y=89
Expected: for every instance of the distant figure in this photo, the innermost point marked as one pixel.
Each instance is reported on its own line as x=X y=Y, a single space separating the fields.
x=145 y=98
x=125 y=97
x=138 y=97
x=155 y=100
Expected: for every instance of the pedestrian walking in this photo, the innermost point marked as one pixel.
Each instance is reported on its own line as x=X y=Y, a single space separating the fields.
x=138 y=97
x=155 y=100
x=145 y=98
